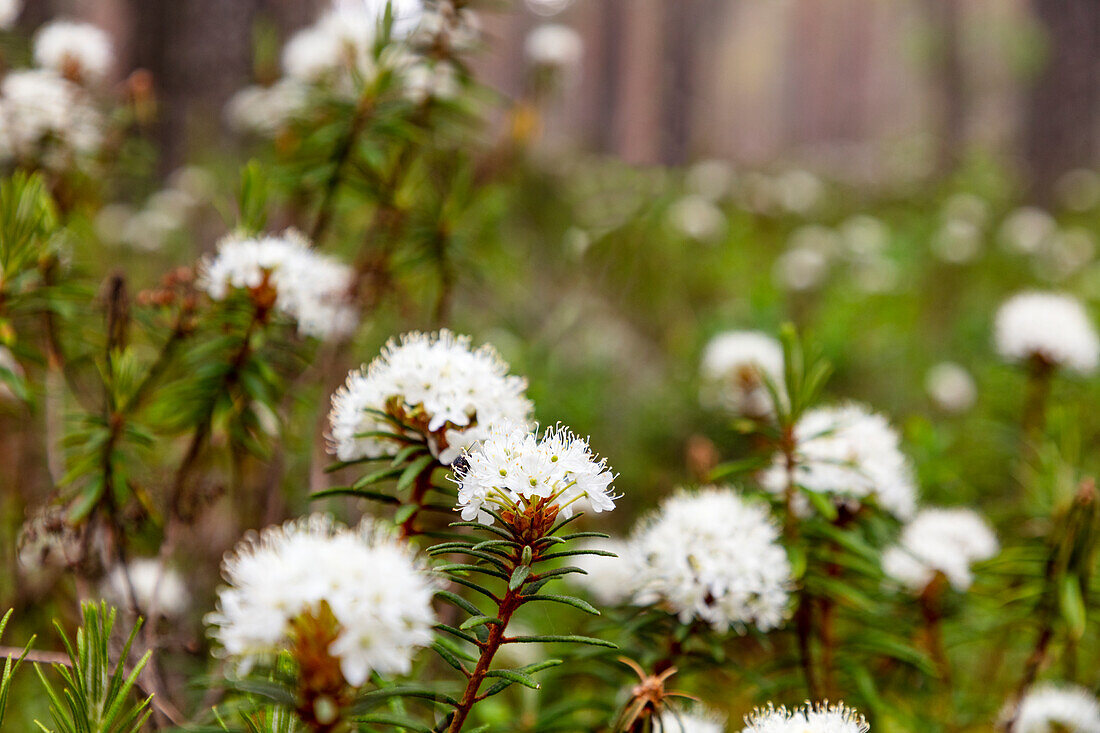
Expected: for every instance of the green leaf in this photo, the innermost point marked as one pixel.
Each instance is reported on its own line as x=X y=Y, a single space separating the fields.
x=414 y=469
x=513 y=676
x=479 y=621
x=395 y=721
x=518 y=576
x=1072 y=605
x=567 y=600
x=563 y=639
x=459 y=601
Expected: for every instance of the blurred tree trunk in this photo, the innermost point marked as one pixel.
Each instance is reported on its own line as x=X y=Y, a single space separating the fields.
x=681 y=30
x=199 y=52
x=1061 y=116
x=945 y=19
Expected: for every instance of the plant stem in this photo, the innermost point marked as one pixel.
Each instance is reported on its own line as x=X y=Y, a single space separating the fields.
x=505 y=609
x=1040 y=372
x=340 y=159
x=803 y=615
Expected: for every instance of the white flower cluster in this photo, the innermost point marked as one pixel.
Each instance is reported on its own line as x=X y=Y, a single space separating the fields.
x=850 y=454
x=9 y=12
x=47 y=118
x=81 y=52
x=695 y=721
x=816 y=717
x=1057 y=708
x=432 y=381
x=514 y=468
x=554 y=46
x=1049 y=326
x=148 y=579
x=339 y=52
x=733 y=368
x=713 y=556
x=940 y=541
x=310 y=287
x=378 y=593
x=951 y=387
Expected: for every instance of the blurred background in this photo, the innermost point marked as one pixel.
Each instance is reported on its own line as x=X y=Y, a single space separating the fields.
x=867 y=90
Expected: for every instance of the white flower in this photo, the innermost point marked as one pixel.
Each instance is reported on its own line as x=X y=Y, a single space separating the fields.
x=444 y=25
x=362 y=17
x=9 y=12
x=1049 y=326
x=958 y=241
x=47 y=540
x=39 y=107
x=424 y=81
x=312 y=53
x=951 y=387
x=967 y=207
x=697 y=218
x=711 y=555
x=515 y=469
x=809 y=718
x=609 y=580
x=733 y=369
x=940 y=541
x=712 y=179
x=548 y=7
x=801 y=268
x=434 y=381
x=1078 y=189
x=310 y=287
x=554 y=46
x=80 y=51
x=378 y=593
x=850 y=454
x=265 y=110
x=148 y=580
x=1026 y=229
x=1057 y=708
x=696 y=720
x=864 y=235
x=798 y=191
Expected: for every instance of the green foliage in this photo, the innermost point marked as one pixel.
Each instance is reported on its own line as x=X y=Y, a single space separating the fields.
x=96 y=694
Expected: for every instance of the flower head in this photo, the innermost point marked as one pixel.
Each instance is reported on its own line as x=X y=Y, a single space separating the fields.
x=713 y=556
x=610 y=580
x=1057 y=708
x=293 y=576
x=1051 y=327
x=9 y=12
x=46 y=116
x=143 y=580
x=951 y=387
x=526 y=476
x=284 y=272
x=554 y=46
x=850 y=454
x=735 y=364
x=943 y=541
x=77 y=51
x=815 y=717
x=693 y=721
x=434 y=382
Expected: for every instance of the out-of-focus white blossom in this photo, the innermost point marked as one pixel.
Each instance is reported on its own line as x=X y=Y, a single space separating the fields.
x=48 y=118
x=379 y=594
x=1064 y=253
x=554 y=46
x=809 y=718
x=1078 y=189
x=864 y=235
x=266 y=110
x=958 y=241
x=943 y=541
x=442 y=25
x=548 y=7
x=711 y=179
x=435 y=80
x=951 y=387
x=47 y=540
x=9 y=12
x=798 y=191
x=609 y=580
x=801 y=269
x=435 y=382
x=1026 y=229
x=967 y=207
x=696 y=720
x=310 y=287
x=140 y=582
x=875 y=274
x=697 y=218
x=713 y=556
x=77 y=51
x=733 y=369
x=850 y=454
x=818 y=238
x=1056 y=708
x=1052 y=327
x=514 y=469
